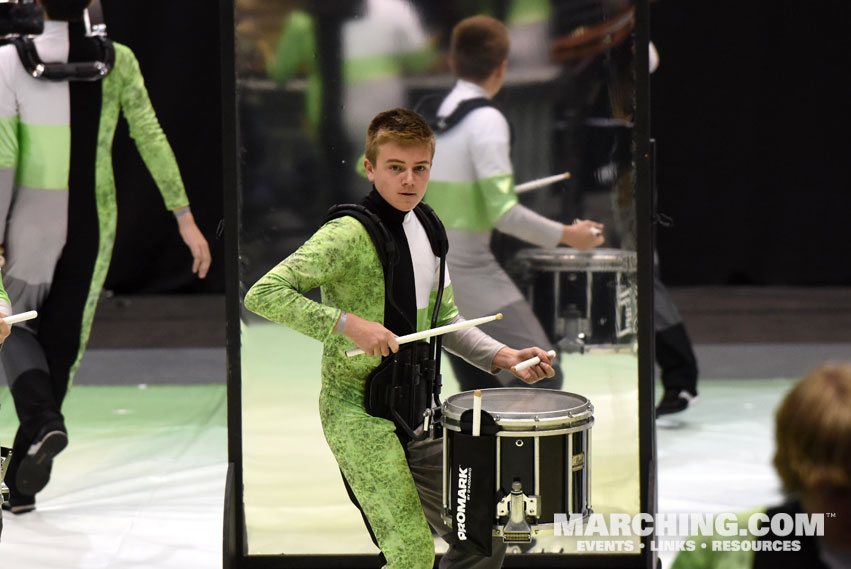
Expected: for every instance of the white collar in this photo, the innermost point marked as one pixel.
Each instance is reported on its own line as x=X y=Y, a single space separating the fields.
x=469 y=90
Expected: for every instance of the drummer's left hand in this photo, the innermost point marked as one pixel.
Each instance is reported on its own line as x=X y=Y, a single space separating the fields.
x=508 y=357
x=583 y=234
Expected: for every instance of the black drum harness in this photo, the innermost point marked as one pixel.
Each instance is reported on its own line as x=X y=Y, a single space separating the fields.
x=71 y=71
x=405 y=387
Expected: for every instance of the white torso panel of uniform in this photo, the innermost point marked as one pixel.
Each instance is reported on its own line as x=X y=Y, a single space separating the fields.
x=477 y=152
x=472 y=344
x=426 y=265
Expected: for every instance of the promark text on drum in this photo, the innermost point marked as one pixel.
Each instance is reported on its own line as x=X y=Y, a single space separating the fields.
x=464 y=475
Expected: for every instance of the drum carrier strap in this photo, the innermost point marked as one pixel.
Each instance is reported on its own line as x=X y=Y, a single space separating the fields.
x=405 y=387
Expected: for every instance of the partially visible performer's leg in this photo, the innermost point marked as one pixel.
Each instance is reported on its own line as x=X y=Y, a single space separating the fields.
x=30 y=382
x=519 y=328
x=373 y=463
x=675 y=355
x=674 y=351
x=39 y=411
x=381 y=559
x=39 y=366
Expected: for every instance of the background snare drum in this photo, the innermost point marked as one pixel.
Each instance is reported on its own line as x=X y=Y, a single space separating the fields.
x=585 y=300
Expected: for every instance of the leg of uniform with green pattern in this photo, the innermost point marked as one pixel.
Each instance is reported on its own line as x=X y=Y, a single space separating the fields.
x=373 y=461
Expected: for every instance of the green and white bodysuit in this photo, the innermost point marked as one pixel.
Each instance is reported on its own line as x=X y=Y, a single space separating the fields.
x=471 y=188
x=58 y=207
x=341 y=259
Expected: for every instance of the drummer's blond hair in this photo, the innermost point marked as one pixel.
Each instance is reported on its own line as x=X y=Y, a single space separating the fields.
x=479 y=45
x=814 y=431
x=403 y=126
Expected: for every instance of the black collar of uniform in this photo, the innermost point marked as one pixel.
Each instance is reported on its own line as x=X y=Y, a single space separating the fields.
x=378 y=205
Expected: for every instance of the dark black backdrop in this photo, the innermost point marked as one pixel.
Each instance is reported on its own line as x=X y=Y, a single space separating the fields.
x=750 y=113
x=177 y=45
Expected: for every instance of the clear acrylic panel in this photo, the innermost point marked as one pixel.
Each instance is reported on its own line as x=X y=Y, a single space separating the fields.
x=310 y=76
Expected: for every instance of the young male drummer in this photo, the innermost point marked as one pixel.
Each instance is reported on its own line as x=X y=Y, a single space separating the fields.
x=472 y=190
x=356 y=310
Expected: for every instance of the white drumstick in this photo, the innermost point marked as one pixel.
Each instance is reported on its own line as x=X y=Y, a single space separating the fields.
x=15 y=318
x=540 y=182
x=531 y=362
x=477 y=412
x=416 y=336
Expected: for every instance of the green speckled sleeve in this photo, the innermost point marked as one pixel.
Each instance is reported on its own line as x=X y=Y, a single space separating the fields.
x=146 y=131
x=329 y=256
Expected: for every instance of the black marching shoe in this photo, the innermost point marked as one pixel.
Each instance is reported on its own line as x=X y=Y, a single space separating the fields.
x=18 y=504
x=674 y=402
x=34 y=469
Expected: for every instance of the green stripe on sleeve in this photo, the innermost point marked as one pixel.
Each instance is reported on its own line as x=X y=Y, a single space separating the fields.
x=45 y=156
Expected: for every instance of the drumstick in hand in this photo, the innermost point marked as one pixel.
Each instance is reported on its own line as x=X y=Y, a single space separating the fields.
x=477 y=412
x=15 y=318
x=426 y=334
x=531 y=362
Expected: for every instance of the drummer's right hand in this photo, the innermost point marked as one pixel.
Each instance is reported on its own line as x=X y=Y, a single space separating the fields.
x=583 y=234
x=5 y=329
x=371 y=337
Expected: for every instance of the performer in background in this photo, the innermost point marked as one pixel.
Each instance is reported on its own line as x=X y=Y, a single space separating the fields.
x=364 y=306
x=58 y=214
x=674 y=350
x=472 y=190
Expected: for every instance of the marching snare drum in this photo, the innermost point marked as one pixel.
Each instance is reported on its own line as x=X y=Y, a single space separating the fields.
x=539 y=447
x=584 y=299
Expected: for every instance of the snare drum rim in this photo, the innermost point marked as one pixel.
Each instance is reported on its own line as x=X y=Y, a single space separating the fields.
x=525 y=421
x=567 y=259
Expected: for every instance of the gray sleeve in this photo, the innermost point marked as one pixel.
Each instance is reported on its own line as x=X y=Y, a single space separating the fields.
x=473 y=345
x=525 y=224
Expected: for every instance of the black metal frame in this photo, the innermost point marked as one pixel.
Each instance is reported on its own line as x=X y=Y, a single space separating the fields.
x=235 y=546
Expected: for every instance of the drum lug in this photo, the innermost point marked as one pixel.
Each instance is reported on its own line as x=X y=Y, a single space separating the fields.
x=517 y=506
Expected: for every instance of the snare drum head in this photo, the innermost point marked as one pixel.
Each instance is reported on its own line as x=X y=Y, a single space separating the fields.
x=566 y=259
x=523 y=407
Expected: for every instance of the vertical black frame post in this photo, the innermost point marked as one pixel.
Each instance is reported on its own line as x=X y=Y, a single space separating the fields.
x=645 y=229
x=232 y=206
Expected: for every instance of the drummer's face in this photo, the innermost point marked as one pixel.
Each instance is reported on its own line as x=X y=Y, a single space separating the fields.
x=400 y=173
